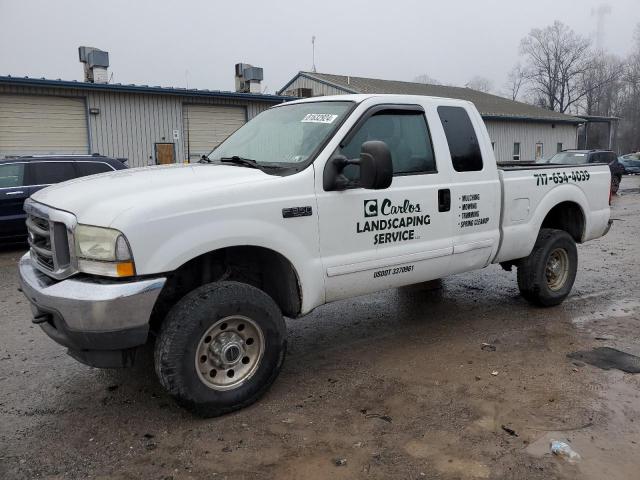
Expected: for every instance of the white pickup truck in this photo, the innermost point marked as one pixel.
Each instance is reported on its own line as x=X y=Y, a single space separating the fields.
x=311 y=202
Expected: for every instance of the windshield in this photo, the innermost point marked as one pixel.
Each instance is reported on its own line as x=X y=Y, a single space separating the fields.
x=569 y=158
x=288 y=135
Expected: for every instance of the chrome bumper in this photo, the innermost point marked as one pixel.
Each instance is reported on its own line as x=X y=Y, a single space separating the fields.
x=91 y=314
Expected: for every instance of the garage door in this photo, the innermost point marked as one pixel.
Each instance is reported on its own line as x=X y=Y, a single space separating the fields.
x=205 y=126
x=35 y=124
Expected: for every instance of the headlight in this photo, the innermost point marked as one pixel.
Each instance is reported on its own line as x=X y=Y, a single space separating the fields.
x=103 y=251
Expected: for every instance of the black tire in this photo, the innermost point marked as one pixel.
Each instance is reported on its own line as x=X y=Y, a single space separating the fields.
x=532 y=271
x=181 y=335
x=615 y=183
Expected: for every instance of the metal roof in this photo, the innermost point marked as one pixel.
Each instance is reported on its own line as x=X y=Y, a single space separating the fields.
x=491 y=107
x=131 y=88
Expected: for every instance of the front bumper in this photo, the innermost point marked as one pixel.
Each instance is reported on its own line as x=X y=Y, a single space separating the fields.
x=100 y=321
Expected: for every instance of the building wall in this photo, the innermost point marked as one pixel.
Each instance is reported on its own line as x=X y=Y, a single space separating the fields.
x=129 y=124
x=506 y=133
x=318 y=88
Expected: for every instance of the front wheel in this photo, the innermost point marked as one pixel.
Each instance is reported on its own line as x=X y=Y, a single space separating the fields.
x=220 y=348
x=546 y=276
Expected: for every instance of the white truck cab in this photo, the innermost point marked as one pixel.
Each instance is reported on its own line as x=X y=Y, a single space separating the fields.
x=312 y=201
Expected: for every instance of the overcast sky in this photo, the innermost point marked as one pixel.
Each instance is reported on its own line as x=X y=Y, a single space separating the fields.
x=197 y=42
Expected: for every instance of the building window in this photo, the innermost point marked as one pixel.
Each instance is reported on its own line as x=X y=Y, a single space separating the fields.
x=461 y=138
x=539 y=151
x=516 y=151
x=559 y=147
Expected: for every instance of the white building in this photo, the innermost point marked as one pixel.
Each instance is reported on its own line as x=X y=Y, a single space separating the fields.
x=518 y=131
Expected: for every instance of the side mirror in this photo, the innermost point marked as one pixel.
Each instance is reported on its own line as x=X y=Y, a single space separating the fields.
x=376 y=168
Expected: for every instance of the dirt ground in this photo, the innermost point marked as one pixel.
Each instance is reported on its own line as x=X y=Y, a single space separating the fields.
x=386 y=386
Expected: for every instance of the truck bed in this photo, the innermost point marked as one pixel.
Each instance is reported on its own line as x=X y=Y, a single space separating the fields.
x=531 y=190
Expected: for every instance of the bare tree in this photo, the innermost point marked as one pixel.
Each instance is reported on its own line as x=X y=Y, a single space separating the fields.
x=601 y=84
x=424 y=78
x=515 y=81
x=561 y=72
x=482 y=84
x=555 y=59
x=629 y=108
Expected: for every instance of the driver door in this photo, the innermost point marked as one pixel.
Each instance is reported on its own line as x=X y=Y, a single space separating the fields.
x=371 y=240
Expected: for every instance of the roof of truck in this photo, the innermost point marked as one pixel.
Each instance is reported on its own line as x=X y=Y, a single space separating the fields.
x=358 y=98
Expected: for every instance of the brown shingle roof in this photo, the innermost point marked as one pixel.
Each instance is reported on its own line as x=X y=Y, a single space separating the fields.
x=490 y=106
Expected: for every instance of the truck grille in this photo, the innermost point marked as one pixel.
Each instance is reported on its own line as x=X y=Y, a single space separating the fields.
x=49 y=242
x=40 y=241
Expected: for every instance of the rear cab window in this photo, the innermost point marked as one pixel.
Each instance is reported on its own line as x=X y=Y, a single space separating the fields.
x=11 y=175
x=461 y=138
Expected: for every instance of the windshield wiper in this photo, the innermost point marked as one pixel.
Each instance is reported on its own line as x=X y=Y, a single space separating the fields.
x=247 y=162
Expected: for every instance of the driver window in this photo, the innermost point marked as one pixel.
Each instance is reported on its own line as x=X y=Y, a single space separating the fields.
x=407 y=136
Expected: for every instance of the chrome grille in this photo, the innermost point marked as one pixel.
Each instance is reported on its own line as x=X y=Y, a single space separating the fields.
x=50 y=239
x=40 y=241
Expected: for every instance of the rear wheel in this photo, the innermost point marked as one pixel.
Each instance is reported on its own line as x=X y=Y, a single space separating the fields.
x=546 y=276
x=220 y=348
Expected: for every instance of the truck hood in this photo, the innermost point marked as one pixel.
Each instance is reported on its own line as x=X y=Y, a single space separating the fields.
x=99 y=199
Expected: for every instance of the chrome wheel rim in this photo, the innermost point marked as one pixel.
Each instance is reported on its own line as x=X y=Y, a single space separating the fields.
x=557 y=269
x=229 y=352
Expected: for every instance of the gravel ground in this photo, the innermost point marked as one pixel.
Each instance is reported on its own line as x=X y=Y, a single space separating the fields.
x=391 y=385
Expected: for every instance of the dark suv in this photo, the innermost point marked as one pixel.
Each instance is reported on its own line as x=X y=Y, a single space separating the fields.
x=22 y=176
x=578 y=157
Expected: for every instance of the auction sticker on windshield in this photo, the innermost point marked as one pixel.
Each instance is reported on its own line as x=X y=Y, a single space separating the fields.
x=319 y=118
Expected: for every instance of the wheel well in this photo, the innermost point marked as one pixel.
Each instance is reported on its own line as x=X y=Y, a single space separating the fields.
x=261 y=267
x=566 y=216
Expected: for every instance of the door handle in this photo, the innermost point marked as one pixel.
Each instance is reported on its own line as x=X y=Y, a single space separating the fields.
x=14 y=193
x=444 y=200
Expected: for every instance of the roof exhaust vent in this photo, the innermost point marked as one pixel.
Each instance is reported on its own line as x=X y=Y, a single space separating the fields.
x=95 y=63
x=248 y=78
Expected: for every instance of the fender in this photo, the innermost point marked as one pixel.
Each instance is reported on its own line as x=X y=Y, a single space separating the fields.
x=518 y=239
x=184 y=245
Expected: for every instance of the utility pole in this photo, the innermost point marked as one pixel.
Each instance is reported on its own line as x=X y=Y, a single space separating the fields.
x=600 y=12
x=313 y=53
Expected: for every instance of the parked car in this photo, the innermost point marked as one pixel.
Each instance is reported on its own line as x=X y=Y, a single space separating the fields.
x=20 y=177
x=579 y=157
x=310 y=202
x=631 y=163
